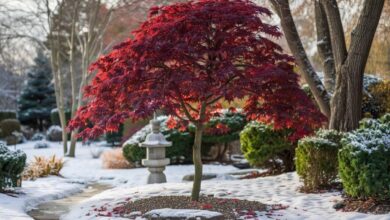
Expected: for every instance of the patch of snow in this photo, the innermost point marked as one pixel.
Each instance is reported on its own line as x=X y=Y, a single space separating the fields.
x=33 y=193
x=281 y=189
x=82 y=169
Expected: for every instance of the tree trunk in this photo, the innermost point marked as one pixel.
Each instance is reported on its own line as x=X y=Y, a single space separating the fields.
x=320 y=94
x=325 y=47
x=72 y=148
x=197 y=158
x=347 y=100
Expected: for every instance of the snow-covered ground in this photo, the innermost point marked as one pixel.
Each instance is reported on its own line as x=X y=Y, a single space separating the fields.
x=281 y=189
x=76 y=173
x=129 y=184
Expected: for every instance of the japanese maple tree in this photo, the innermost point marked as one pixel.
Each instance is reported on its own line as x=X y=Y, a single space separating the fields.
x=188 y=57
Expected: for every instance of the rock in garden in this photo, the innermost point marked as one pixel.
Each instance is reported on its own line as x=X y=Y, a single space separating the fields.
x=339 y=205
x=183 y=214
x=205 y=176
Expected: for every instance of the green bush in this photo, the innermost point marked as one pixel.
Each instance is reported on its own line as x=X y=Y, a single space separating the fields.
x=133 y=153
x=364 y=160
x=330 y=135
x=55 y=117
x=263 y=146
x=316 y=162
x=8 y=126
x=12 y=164
x=182 y=144
x=7 y=115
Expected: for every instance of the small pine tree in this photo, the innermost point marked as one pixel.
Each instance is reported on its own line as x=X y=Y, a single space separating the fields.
x=37 y=98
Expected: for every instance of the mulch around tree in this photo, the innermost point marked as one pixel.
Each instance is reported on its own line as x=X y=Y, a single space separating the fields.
x=230 y=208
x=366 y=206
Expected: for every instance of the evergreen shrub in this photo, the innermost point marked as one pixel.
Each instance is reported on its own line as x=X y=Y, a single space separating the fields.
x=7 y=114
x=54 y=133
x=12 y=164
x=182 y=142
x=55 y=117
x=364 y=160
x=263 y=146
x=9 y=126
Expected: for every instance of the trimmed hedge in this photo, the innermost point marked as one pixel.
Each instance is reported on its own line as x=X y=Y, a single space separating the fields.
x=263 y=146
x=316 y=162
x=7 y=115
x=8 y=126
x=12 y=164
x=316 y=159
x=364 y=160
x=55 y=117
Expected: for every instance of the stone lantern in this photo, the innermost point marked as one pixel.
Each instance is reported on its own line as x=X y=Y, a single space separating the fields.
x=155 y=161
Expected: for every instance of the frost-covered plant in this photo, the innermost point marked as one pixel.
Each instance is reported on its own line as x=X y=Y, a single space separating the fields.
x=11 y=165
x=330 y=135
x=38 y=137
x=264 y=146
x=364 y=160
x=41 y=145
x=42 y=167
x=316 y=161
x=54 y=133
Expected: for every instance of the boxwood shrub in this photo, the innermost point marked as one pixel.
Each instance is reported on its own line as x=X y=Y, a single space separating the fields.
x=364 y=160
x=7 y=114
x=12 y=164
x=262 y=146
x=316 y=162
x=316 y=159
x=8 y=126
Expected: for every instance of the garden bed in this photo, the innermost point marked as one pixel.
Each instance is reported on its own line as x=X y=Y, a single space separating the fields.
x=371 y=206
x=230 y=208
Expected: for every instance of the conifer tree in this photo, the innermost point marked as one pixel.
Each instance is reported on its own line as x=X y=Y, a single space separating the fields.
x=37 y=98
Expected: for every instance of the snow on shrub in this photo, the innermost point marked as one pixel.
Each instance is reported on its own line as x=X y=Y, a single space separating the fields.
x=264 y=146
x=224 y=127
x=54 y=133
x=364 y=160
x=182 y=143
x=38 y=137
x=41 y=145
x=11 y=165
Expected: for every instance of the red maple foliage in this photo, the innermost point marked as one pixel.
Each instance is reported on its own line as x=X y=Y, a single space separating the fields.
x=188 y=57
x=185 y=59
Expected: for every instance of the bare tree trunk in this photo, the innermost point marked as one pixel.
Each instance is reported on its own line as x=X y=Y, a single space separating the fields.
x=320 y=94
x=197 y=159
x=344 y=110
x=325 y=47
x=72 y=45
x=347 y=99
